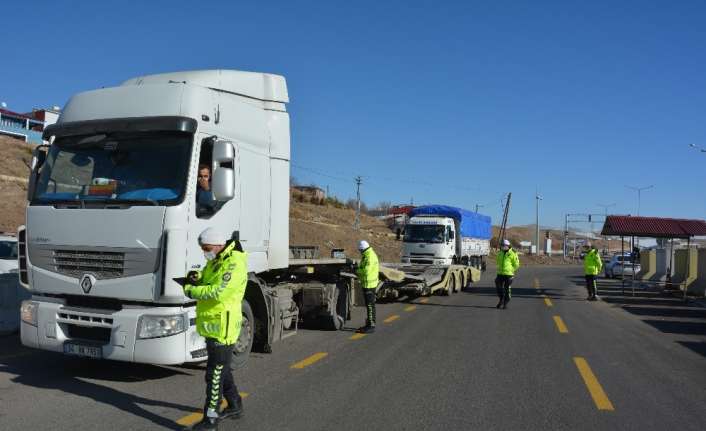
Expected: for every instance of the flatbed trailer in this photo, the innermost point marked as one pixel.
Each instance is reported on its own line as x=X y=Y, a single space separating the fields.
x=424 y=280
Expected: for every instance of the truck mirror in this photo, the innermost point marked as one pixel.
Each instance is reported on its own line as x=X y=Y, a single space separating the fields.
x=39 y=156
x=223 y=171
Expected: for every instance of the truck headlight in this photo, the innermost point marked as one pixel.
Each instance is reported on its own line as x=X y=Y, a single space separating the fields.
x=28 y=312
x=161 y=326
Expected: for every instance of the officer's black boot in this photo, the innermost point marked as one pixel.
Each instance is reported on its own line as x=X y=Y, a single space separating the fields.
x=500 y=303
x=207 y=423
x=233 y=410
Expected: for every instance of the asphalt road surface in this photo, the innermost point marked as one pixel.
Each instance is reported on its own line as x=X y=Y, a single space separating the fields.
x=551 y=361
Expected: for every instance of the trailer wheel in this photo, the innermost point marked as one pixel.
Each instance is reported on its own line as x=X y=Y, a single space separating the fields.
x=464 y=261
x=464 y=281
x=451 y=287
x=336 y=321
x=243 y=345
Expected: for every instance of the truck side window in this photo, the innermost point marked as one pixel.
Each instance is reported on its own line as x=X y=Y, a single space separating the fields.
x=206 y=204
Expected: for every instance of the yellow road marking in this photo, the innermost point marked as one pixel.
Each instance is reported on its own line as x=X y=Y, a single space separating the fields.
x=316 y=357
x=548 y=301
x=195 y=417
x=391 y=318
x=357 y=336
x=424 y=300
x=410 y=308
x=560 y=325
x=597 y=393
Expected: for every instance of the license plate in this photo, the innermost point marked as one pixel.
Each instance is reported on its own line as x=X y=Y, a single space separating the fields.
x=83 y=350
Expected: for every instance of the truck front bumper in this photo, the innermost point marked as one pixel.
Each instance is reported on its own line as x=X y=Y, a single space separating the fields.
x=113 y=332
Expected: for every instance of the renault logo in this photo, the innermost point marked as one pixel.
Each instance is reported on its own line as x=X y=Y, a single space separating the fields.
x=87 y=282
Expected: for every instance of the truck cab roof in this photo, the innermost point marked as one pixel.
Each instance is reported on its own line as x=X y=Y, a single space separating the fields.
x=261 y=86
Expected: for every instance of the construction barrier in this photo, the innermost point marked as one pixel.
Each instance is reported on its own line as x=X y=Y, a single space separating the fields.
x=685 y=268
x=698 y=287
x=648 y=265
x=11 y=295
x=663 y=264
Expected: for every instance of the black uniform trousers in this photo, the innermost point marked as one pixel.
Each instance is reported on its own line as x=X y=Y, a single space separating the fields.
x=591 y=285
x=219 y=377
x=503 y=284
x=369 y=295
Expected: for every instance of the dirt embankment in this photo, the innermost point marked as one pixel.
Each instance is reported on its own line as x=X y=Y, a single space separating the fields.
x=328 y=228
x=15 y=156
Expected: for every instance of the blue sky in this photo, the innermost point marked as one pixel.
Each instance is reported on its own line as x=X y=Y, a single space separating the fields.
x=439 y=101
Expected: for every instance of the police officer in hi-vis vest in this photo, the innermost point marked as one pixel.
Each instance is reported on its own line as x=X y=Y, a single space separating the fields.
x=218 y=291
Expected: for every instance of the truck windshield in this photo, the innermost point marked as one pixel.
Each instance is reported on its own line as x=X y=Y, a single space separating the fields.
x=424 y=233
x=145 y=168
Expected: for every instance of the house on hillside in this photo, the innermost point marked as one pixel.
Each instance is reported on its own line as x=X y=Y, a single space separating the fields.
x=28 y=126
x=312 y=193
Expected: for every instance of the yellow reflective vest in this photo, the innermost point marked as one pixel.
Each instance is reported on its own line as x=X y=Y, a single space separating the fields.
x=508 y=262
x=369 y=269
x=219 y=295
x=592 y=263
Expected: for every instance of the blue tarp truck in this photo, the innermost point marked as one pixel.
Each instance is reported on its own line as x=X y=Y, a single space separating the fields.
x=444 y=250
x=445 y=235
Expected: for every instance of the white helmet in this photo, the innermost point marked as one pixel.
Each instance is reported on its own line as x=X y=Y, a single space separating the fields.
x=506 y=242
x=363 y=245
x=212 y=236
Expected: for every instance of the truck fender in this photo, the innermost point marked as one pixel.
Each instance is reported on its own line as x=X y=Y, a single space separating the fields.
x=256 y=295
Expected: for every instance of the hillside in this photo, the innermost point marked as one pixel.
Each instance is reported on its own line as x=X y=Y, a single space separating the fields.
x=14 y=159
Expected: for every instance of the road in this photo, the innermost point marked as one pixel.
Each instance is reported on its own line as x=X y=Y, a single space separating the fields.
x=551 y=361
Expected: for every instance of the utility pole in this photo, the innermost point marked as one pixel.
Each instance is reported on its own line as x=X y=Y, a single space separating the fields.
x=639 y=191
x=536 y=234
x=503 y=226
x=358 y=182
x=605 y=217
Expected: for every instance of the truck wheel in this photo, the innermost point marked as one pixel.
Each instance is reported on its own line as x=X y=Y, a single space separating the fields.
x=463 y=281
x=451 y=288
x=337 y=319
x=243 y=345
x=464 y=260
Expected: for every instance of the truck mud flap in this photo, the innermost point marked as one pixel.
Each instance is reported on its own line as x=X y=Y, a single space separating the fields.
x=326 y=306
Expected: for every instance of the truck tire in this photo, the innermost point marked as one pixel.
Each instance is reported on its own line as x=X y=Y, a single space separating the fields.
x=243 y=346
x=464 y=282
x=337 y=320
x=464 y=261
x=451 y=287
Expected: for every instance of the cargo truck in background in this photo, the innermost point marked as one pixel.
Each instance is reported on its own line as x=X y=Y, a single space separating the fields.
x=113 y=219
x=445 y=235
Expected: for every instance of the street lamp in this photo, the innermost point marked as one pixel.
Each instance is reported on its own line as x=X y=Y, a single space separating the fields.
x=639 y=191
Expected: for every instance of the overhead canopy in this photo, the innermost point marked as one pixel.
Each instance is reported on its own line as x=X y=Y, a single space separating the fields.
x=653 y=227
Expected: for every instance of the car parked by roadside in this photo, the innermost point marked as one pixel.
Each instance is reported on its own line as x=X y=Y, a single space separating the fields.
x=8 y=254
x=619 y=265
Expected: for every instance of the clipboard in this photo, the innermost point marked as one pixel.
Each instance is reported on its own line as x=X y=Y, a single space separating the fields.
x=181 y=280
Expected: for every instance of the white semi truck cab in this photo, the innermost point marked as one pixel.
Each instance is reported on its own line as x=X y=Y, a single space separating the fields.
x=443 y=235
x=115 y=211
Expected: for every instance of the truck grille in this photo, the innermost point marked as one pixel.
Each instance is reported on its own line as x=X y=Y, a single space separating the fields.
x=102 y=264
